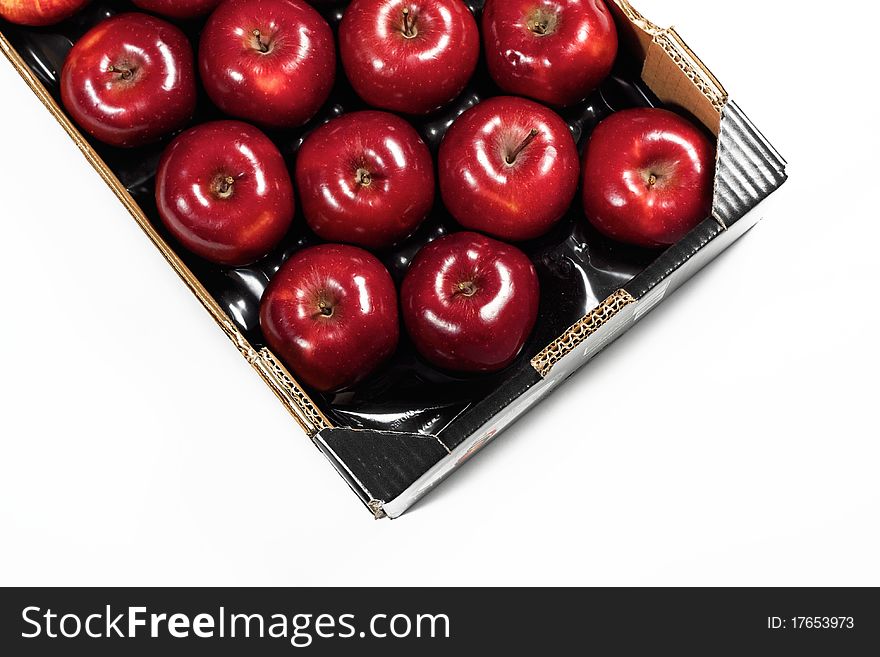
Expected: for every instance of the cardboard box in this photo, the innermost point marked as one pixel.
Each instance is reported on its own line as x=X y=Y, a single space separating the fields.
x=408 y=427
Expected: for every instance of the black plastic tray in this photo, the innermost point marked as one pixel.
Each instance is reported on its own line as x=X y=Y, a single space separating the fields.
x=577 y=267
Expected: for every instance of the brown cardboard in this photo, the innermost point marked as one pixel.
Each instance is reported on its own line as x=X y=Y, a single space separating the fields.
x=671 y=68
x=674 y=74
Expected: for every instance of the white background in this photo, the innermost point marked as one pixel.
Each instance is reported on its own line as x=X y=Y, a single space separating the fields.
x=138 y=447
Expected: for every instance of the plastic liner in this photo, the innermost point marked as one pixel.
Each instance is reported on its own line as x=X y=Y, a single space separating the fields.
x=577 y=267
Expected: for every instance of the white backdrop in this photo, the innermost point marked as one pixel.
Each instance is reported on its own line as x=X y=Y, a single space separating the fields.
x=138 y=447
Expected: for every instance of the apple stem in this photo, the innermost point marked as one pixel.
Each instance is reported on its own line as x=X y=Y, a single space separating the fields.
x=652 y=180
x=467 y=288
x=224 y=187
x=326 y=311
x=543 y=21
x=409 y=27
x=124 y=72
x=511 y=157
x=363 y=177
x=264 y=47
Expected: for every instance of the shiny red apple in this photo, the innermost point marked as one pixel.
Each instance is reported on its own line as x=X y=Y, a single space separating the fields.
x=39 y=12
x=223 y=191
x=648 y=177
x=130 y=80
x=272 y=62
x=555 y=51
x=181 y=9
x=469 y=302
x=409 y=56
x=330 y=313
x=508 y=167
x=365 y=178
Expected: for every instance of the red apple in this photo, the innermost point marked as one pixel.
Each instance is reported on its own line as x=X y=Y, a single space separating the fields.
x=39 y=12
x=223 y=191
x=130 y=80
x=366 y=178
x=508 y=167
x=409 y=56
x=648 y=177
x=269 y=61
x=181 y=9
x=330 y=313
x=556 y=51
x=470 y=302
